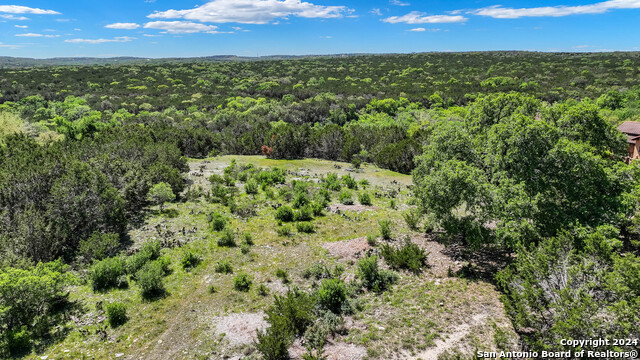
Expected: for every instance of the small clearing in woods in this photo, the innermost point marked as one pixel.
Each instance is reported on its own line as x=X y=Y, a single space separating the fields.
x=202 y=316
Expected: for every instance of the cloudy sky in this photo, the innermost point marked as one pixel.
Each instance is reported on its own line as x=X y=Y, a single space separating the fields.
x=163 y=28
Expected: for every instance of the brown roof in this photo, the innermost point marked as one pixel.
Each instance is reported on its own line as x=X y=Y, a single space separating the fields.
x=630 y=127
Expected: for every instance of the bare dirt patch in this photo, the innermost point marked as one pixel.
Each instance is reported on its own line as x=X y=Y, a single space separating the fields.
x=349 y=250
x=333 y=350
x=240 y=329
x=338 y=208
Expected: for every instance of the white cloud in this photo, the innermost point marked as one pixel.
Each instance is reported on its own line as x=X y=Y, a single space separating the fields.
x=6 y=46
x=17 y=9
x=421 y=29
x=100 y=41
x=13 y=17
x=123 y=26
x=180 y=27
x=252 y=11
x=376 y=11
x=416 y=17
x=150 y=35
x=21 y=26
x=500 y=12
x=30 y=35
x=399 y=3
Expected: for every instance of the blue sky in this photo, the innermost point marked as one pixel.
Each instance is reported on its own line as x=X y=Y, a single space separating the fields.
x=185 y=28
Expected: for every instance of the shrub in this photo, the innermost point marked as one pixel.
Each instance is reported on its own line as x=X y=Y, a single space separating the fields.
x=365 y=199
x=332 y=183
x=345 y=197
x=295 y=308
x=262 y=290
x=99 y=246
x=284 y=214
x=409 y=257
x=372 y=277
x=350 y=182
x=212 y=289
x=116 y=314
x=305 y=227
x=242 y=282
x=245 y=208
x=385 y=229
x=284 y=230
x=251 y=187
x=318 y=208
x=372 y=240
x=412 y=218
x=301 y=199
x=223 y=267
x=245 y=249
x=364 y=183
x=274 y=342
x=29 y=299
x=227 y=238
x=107 y=273
x=317 y=271
x=332 y=294
x=247 y=238
x=149 y=280
x=218 y=222
x=304 y=214
x=189 y=260
x=283 y=275
x=148 y=252
x=392 y=204
x=165 y=264
x=18 y=341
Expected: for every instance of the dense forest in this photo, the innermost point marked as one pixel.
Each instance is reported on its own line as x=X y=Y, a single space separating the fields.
x=511 y=151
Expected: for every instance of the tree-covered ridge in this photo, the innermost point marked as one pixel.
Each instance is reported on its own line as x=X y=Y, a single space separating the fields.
x=456 y=78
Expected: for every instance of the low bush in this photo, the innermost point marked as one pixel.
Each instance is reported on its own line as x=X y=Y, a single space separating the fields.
x=350 y=182
x=372 y=277
x=331 y=294
x=284 y=230
x=345 y=197
x=296 y=308
x=409 y=257
x=148 y=252
x=262 y=290
x=247 y=239
x=116 y=314
x=283 y=275
x=305 y=227
x=218 y=222
x=412 y=218
x=305 y=213
x=365 y=199
x=300 y=199
x=227 y=238
x=149 y=280
x=108 y=273
x=189 y=260
x=385 y=229
x=251 y=187
x=245 y=249
x=223 y=267
x=242 y=282
x=274 y=342
x=284 y=214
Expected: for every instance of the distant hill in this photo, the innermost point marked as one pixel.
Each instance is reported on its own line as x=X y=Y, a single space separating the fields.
x=16 y=62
